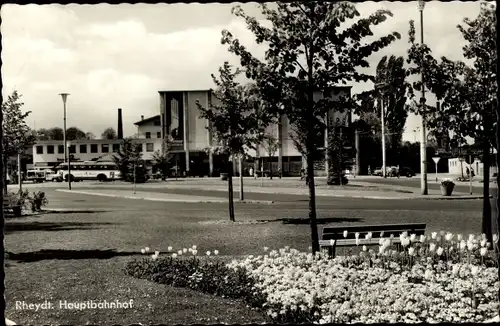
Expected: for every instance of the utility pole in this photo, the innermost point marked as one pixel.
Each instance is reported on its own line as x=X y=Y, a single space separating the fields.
x=240 y=163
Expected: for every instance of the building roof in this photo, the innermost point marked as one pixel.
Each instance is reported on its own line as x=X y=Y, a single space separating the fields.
x=186 y=90
x=138 y=123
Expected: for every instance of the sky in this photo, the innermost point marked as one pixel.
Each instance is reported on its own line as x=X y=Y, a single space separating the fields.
x=119 y=56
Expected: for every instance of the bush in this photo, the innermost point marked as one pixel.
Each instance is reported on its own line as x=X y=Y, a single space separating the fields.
x=21 y=196
x=447 y=183
x=333 y=180
x=37 y=201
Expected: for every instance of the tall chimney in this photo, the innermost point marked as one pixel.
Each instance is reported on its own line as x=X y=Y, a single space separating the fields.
x=142 y=117
x=120 y=124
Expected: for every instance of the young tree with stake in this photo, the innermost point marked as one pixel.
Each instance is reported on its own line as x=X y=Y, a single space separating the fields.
x=233 y=120
x=310 y=50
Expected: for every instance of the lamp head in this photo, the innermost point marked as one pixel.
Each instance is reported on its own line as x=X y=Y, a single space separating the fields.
x=64 y=96
x=421 y=5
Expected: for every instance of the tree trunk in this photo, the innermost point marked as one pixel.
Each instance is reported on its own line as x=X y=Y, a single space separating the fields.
x=242 y=196
x=312 y=204
x=19 y=173
x=270 y=167
x=4 y=171
x=486 y=225
x=230 y=189
x=2 y=219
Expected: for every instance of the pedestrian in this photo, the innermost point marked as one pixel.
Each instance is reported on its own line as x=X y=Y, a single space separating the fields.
x=369 y=170
x=251 y=171
x=279 y=172
x=302 y=174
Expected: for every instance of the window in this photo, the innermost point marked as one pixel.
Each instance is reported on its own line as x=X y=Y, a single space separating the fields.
x=50 y=149
x=105 y=148
x=60 y=149
x=83 y=148
x=39 y=149
x=158 y=134
x=72 y=149
x=116 y=147
x=157 y=123
x=93 y=148
x=139 y=147
x=148 y=135
x=150 y=147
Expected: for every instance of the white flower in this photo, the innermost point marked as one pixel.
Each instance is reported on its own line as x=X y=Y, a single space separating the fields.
x=440 y=251
x=345 y=234
x=365 y=248
x=411 y=251
x=381 y=241
x=143 y=251
x=438 y=239
x=441 y=233
x=154 y=257
x=266 y=248
x=174 y=255
x=194 y=252
x=483 y=251
x=432 y=247
x=216 y=252
x=357 y=241
x=483 y=242
x=356 y=235
x=194 y=247
x=332 y=242
x=463 y=245
x=456 y=269
x=434 y=235
x=208 y=253
x=413 y=237
x=471 y=237
x=474 y=270
x=169 y=248
x=382 y=234
x=147 y=249
x=157 y=253
x=459 y=237
x=368 y=236
x=184 y=250
x=422 y=238
x=470 y=245
x=448 y=237
x=495 y=237
x=427 y=274
x=405 y=242
x=381 y=249
x=179 y=252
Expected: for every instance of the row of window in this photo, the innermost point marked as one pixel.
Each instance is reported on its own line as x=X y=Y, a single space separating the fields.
x=148 y=135
x=89 y=167
x=94 y=148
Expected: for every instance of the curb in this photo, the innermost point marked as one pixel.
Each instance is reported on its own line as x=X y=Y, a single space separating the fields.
x=165 y=199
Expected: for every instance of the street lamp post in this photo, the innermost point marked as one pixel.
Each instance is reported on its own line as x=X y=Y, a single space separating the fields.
x=423 y=144
x=64 y=97
x=382 y=119
x=69 y=166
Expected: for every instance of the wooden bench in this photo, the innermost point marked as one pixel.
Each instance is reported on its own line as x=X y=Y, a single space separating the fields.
x=10 y=205
x=334 y=236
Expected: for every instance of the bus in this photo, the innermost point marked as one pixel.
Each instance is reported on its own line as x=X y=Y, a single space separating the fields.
x=101 y=171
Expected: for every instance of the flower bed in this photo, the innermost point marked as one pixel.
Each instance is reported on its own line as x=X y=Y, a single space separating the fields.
x=437 y=279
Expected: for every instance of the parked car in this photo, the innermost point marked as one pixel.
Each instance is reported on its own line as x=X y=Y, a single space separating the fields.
x=378 y=171
x=406 y=172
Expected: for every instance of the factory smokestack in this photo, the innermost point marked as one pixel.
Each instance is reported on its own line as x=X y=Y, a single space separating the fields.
x=120 y=124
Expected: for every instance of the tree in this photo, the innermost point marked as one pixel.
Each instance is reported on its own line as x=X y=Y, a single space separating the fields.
x=161 y=158
x=17 y=135
x=467 y=95
x=109 y=133
x=56 y=133
x=233 y=121
x=89 y=135
x=271 y=145
x=309 y=50
x=73 y=133
x=128 y=158
x=340 y=152
x=391 y=79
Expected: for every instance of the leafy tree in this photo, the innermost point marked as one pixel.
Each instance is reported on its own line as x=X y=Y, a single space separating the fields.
x=340 y=152
x=89 y=135
x=73 y=133
x=42 y=134
x=129 y=160
x=56 y=133
x=233 y=120
x=109 y=133
x=161 y=158
x=271 y=145
x=392 y=89
x=17 y=135
x=467 y=95
x=310 y=50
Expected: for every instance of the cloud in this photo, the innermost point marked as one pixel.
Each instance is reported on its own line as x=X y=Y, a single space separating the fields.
x=108 y=57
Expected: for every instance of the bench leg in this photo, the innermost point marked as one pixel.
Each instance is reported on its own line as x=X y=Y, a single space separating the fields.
x=331 y=251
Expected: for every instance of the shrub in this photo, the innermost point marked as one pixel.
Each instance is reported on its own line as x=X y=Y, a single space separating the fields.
x=37 y=201
x=21 y=196
x=447 y=183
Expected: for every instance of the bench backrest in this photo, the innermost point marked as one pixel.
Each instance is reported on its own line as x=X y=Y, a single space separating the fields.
x=337 y=233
